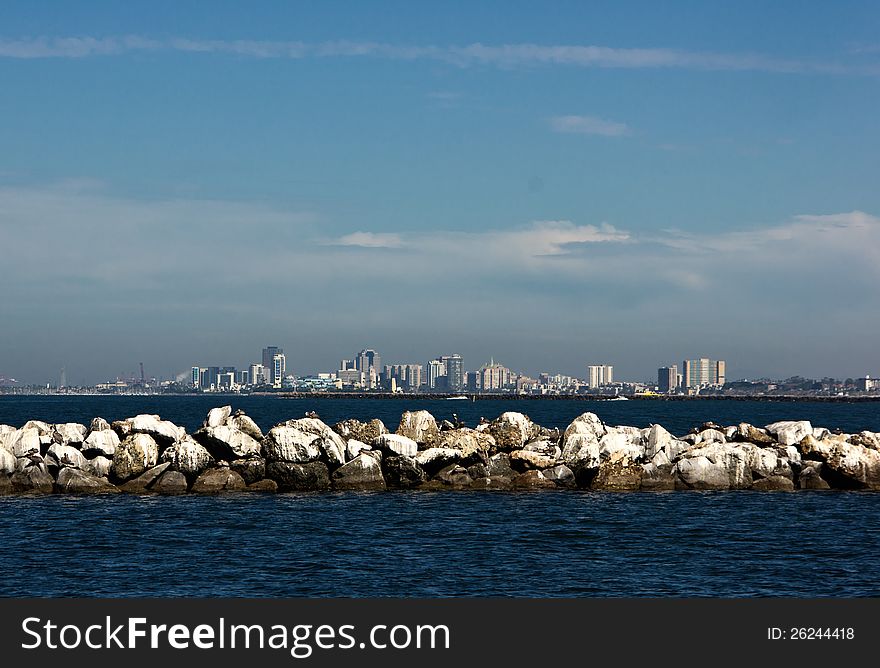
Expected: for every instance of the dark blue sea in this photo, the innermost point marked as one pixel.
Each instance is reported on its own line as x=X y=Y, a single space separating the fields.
x=541 y=544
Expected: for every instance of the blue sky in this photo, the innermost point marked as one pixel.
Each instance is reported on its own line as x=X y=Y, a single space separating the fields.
x=553 y=184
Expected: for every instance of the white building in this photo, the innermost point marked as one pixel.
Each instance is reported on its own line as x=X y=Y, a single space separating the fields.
x=599 y=375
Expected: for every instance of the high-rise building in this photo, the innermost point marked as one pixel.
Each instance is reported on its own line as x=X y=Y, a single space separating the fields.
x=454 y=372
x=279 y=366
x=599 y=375
x=196 y=377
x=367 y=359
x=269 y=353
x=436 y=370
x=703 y=372
x=258 y=374
x=494 y=376
x=667 y=378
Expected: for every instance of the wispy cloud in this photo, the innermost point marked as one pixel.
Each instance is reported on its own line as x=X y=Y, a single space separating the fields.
x=588 y=125
x=504 y=55
x=368 y=240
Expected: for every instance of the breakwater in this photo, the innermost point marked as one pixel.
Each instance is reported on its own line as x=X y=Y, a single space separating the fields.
x=230 y=453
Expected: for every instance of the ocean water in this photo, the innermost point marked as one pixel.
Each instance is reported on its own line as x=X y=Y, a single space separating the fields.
x=426 y=544
x=677 y=416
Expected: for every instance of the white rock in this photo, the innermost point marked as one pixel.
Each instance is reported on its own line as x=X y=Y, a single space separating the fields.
x=98 y=466
x=397 y=444
x=790 y=432
x=188 y=457
x=7 y=461
x=66 y=456
x=618 y=446
x=701 y=473
x=238 y=443
x=712 y=436
x=157 y=428
x=420 y=426
x=6 y=433
x=580 y=442
x=70 y=433
x=102 y=442
x=217 y=416
x=436 y=458
x=25 y=441
x=134 y=456
x=354 y=447
x=290 y=444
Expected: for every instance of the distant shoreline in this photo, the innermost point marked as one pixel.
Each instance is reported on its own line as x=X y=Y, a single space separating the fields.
x=470 y=397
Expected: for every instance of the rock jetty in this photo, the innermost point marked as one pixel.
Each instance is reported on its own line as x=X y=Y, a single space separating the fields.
x=229 y=453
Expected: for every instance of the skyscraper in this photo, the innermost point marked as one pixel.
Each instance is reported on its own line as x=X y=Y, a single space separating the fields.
x=667 y=378
x=454 y=372
x=279 y=366
x=703 y=372
x=269 y=354
x=599 y=375
x=436 y=370
x=368 y=358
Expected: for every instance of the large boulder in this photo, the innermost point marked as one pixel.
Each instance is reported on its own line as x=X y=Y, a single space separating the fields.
x=853 y=467
x=214 y=481
x=618 y=475
x=396 y=444
x=403 y=472
x=144 y=482
x=657 y=478
x=867 y=439
x=533 y=479
x=252 y=469
x=134 y=456
x=701 y=473
x=227 y=442
x=561 y=475
x=365 y=432
x=65 y=456
x=512 y=430
x=74 y=481
x=25 y=441
x=69 y=433
x=433 y=460
x=535 y=455
x=6 y=432
x=580 y=442
x=775 y=483
x=790 y=432
x=241 y=422
x=164 y=432
x=188 y=457
x=7 y=462
x=420 y=426
x=304 y=440
x=170 y=482
x=304 y=477
x=355 y=447
x=810 y=477
x=364 y=472
x=218 y=416
x=32 y=480
x=454 y=476
x=100 y=442
x=98 y=466
x=620 y=444
x=751 y=434
x=474 y=445
x=735 y=459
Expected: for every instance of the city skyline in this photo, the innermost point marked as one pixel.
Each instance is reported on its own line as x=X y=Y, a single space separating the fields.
x=632 y=183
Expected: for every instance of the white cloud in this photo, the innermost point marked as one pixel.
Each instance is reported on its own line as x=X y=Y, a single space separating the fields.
x=504 y=55
x=369 y=240
x=588 y=125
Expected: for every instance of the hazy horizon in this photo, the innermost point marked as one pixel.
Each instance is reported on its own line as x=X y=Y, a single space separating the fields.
x=549 y=185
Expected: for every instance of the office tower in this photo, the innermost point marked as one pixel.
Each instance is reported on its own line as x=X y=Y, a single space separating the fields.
x=347 y=365
x=269 y=353
x=279 y=366
x=667 y=378
x=367 y=359
x=454 y=372
x=599 y=375
x=258 y=374
x=435 y=370
x=493 y=376
x=195 y=379
x=703 y=372
x=413 y=379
